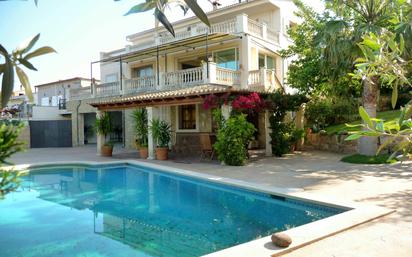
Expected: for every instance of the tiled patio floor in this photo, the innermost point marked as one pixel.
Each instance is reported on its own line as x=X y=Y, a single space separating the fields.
x=311 y=172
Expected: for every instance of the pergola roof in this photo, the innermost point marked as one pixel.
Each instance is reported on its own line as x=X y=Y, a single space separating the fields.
x=190 y=95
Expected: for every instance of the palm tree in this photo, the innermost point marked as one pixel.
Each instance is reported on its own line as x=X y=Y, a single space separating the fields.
x=340 y=40
x=159 y=7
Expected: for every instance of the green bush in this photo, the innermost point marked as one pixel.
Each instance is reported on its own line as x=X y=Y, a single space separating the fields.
x=321 y=113
x=281 y=135
x=233 y=137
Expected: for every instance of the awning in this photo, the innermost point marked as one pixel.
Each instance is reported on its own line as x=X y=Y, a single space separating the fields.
x=172 y=47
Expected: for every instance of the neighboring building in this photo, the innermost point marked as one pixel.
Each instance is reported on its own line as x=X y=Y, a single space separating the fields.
x=171 y=76
x=50 y=123
x=56 y=93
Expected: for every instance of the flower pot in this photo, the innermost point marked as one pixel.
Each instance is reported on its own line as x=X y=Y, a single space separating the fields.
x=162 y=153
x=143 y=152
x=106 y=150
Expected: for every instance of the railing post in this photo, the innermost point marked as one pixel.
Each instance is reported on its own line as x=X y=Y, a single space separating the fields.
x=94 y=93
x=209 y=72
x=264 y=30
x=161 y=80
x=242 y=23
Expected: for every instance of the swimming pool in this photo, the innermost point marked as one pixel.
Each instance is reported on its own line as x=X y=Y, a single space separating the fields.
x=132 y=210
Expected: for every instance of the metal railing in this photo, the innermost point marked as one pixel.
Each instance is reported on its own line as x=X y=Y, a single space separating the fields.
x=62 y=104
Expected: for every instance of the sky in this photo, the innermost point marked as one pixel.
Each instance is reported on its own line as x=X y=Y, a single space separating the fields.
x=78 y=30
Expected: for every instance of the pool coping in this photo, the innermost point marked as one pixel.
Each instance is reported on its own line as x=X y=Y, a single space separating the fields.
x=303 y=235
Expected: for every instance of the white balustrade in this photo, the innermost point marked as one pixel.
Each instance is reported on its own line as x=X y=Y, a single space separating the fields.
x=272 y=35
x=255 y=28
x=108 y=89
x=182 y=78
x=80 y=93
x=254 y=78
x=227 y=76
x=140 y=85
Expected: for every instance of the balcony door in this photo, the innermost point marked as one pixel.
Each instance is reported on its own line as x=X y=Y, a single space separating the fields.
x=190 y=64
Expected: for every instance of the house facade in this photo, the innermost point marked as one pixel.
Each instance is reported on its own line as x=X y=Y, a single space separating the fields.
x=171 y=76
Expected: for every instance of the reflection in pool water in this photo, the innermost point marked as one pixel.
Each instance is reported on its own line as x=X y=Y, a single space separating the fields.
x=134 y=211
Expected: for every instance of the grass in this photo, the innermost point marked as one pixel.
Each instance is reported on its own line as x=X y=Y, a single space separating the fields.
x=390 y=118
x=363 y=159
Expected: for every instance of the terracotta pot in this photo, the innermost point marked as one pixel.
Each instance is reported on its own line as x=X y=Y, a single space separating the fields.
x=144 y=153
x=106 y=150
x=162 y=153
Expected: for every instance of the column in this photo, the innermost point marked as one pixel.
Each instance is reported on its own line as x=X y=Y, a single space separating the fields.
x=99 y=138
x=245 y=61
x=151 y=144
x=226 y=110
x=268 y=131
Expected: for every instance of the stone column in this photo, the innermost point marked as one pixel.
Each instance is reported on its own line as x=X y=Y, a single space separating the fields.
x=151 y=144
x=268 y=130
x=226 y=110
x=99 y=138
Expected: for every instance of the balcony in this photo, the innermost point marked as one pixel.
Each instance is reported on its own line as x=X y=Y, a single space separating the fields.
x=237 y=25
x=260 y=80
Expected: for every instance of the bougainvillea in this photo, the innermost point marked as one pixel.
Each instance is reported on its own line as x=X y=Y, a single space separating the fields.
x=241 y=104
x=249 y=103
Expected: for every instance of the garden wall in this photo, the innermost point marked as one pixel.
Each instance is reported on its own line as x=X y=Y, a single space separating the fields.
x=330 y=143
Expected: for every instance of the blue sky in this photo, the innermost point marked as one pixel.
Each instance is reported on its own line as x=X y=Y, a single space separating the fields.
x=78 y=29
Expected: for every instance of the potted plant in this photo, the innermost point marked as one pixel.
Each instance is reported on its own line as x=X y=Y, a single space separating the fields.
x=161 y=134
x=104 y=127
x=141 y=129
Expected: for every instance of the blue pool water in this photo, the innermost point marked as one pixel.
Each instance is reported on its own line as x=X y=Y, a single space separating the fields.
x=136 y=211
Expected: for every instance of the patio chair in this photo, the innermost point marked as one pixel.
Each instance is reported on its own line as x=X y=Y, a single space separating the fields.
x=206 y=147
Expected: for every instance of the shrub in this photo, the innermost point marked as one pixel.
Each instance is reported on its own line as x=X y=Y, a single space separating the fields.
x=279 y=104
x=321 y=113
x=233 y=138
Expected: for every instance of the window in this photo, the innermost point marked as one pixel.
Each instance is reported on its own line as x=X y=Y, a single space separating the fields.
x=111 y=78
x=144 y=71
x=262 y=61
x=228 y=59
x=270 y=62
x=266 y=61
x=187 y=116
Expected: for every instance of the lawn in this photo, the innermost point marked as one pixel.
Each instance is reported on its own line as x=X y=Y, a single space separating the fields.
x=390 y=118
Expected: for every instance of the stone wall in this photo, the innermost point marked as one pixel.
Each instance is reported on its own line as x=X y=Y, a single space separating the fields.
x=331 y=143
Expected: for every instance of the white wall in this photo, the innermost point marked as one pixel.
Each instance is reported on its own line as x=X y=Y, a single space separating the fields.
x=48 y=113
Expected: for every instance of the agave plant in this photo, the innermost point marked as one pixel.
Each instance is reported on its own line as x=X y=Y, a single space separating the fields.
x=160 y=5
x=14 y=61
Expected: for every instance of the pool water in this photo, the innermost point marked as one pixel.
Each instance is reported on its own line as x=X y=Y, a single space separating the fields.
x=137 y=211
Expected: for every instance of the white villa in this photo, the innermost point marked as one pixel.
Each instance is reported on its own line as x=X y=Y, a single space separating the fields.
x=171 y=76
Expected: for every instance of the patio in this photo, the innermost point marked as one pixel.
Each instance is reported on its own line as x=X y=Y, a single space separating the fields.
x=317 y=173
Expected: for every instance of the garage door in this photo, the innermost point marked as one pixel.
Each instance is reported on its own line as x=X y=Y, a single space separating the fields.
x=51 y=133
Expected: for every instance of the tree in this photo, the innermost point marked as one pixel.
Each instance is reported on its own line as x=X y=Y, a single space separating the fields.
x=13 y=63
x=159 y=7
x=327 y=46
